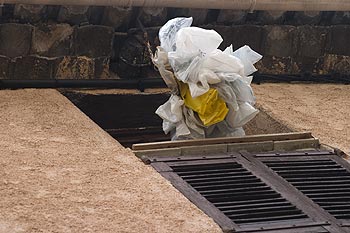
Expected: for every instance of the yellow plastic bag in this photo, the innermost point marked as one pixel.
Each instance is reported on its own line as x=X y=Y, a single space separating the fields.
x=210 y=107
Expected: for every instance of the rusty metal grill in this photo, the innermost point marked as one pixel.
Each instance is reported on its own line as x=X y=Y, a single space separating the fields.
x=323 y=180
x=236 y=192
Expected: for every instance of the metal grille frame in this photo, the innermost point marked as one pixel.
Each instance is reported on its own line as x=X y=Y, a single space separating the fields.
x=183 y=171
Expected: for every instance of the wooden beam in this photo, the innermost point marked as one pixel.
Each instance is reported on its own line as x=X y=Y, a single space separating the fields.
x=211 y=141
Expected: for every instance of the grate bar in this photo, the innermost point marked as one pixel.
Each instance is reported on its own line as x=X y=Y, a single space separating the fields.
x=228 y=186
x=245 y=202
x=223 y=181
x=251 y=194
x=327 y=184
x=215 y=175
x=235 y=191
x=247 y=178
x=253 y=206
x=205 y=167
x=264 y=219
x=257 y=210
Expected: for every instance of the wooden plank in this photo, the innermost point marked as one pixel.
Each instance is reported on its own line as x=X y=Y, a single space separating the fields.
x=292 y=145
x=203 y=149
x=196 y=198
x=158 y=152
x=251 y=146
x=211 y=141
x=201 y=162
x=191 y=157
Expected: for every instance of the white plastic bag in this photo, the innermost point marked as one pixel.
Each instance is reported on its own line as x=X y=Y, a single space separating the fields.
x=193 y=41
x=161 y=61
x=167 y=33
x=247 y=56
x=245 y=113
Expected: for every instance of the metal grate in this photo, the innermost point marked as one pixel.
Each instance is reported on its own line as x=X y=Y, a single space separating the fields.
x=270 y=192
x=236 y=192
x=323 y=180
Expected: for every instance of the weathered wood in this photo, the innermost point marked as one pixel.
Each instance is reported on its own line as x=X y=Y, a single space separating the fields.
x=291 y=145
x=211 y=141
x=173 y=152
x=251 y=146
x=191 y=157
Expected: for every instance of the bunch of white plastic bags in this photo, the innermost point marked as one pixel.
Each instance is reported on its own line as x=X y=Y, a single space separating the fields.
x=211 y=92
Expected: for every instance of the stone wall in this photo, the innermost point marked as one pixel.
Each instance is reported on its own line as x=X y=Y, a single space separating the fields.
x=66 y=42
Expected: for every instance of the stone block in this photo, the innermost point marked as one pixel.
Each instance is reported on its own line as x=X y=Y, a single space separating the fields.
x=52 y=40
x=306 y=17
x=93 y=41
x=338 y=40
x=31 y=67
x=133 y=56
x=73 y=14
x=241 y=35
x=95 y=14
x=247 y=35
x=229 y=17
x=4 y=67
x=101 y=68
x=15 y=39
x=71 y=67
x=151 y=17
x=29 y=13
x=270 y=17
x=340 y=17
x=310 y=65
x=336 y=64
x=116 y=17
x=279 y=41
x=277 y=65
x=311 y=41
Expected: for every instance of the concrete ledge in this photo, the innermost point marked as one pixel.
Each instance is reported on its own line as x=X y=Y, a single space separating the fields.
x=251 y=147
x=160 y=152
x=206 y=149
x=296 y=144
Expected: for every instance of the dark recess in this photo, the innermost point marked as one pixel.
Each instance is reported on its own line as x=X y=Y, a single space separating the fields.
x=126 y=117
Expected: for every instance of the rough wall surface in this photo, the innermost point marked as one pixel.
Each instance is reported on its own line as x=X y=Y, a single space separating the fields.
x=74 y=42
x=60 y=172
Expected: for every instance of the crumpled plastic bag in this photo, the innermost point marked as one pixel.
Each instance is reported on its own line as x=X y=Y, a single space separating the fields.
x=171 y=113
x=167 y=33
x=212 y=87
x=160 y=60
x=210 y=108
x=194 y=41
x=247 y=56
